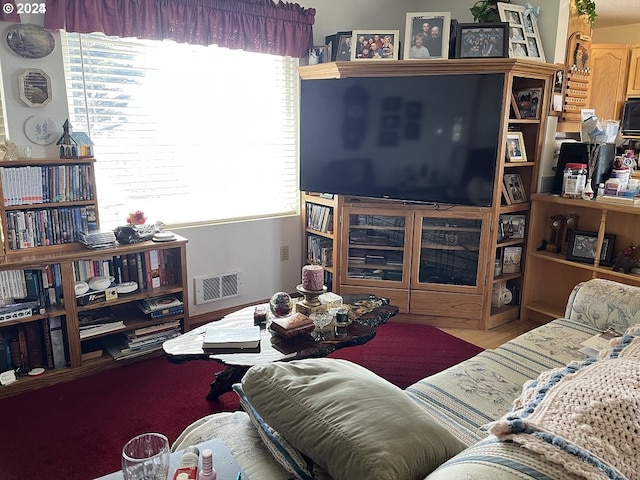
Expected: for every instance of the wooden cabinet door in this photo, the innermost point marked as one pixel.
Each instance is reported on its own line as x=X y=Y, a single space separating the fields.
x=633 y=85
x=609 y=64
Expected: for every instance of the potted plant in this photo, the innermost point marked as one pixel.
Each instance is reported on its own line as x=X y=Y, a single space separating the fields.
x=587 y=8
x=486 y=11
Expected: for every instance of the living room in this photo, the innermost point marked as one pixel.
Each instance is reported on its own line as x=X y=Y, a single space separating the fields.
x=255 y=247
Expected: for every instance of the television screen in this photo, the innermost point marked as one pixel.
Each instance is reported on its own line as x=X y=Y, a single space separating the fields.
x=430 y=139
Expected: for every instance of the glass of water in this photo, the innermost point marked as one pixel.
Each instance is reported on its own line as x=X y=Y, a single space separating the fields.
x=146 y=457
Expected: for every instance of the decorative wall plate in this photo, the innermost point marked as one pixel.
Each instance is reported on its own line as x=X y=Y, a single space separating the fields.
x=42 y=130
x=30 y=41
x=35 y=87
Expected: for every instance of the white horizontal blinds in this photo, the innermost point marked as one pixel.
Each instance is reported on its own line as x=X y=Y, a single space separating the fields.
x=3 y=128
x=186 y=133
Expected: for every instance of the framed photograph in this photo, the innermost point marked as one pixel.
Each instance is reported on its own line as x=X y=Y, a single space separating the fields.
x=515 y=147
x=528 y=102
x=482 y=40
x=511 y=257
x=35 y=87
x=427 y=36
x=319 y=54
x=511 y=227
x=524 y=38
x=334 y=43
x=514 y=188
x=582 y=247
x=374 y=45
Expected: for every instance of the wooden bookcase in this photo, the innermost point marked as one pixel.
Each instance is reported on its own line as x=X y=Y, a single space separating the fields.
x=466 y=303
x=550 y=276
x=57 y=261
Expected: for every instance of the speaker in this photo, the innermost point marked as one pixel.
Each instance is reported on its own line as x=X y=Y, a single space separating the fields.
x=575 y=152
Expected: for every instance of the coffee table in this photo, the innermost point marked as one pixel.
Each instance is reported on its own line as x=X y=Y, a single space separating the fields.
x=366 y=312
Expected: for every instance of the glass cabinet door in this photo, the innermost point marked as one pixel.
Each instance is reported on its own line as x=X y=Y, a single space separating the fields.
x=376 y=248
x=449 y=251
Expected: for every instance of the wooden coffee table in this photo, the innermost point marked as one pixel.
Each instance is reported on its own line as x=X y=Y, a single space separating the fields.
x=366 y=312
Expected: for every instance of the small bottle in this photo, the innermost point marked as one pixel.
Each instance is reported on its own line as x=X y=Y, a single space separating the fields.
x=208 y=472
x=342 y=322
x=612 y=186
x=600 y=189
x=574 y=180
x=188 y=467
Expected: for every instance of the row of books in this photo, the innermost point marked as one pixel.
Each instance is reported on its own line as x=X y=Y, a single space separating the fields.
x=36 y=344
x=320 y=250
x=54 y=226
x=42 y=284
x=46 y=184
x=320 y=217
x=149 y=269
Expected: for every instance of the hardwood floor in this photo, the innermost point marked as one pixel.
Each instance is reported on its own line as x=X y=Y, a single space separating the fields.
x=483 y=338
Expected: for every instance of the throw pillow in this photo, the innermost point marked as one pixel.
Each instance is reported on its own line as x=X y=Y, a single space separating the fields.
x=584 y=416
x=295 y=463
x=348 y=420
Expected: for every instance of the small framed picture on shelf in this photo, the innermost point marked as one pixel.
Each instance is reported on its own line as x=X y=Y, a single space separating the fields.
x=339 y=45
x=374 y=45
x=511 y=227
x=427 y=36
x=511 y=257
x=582 y=247
x=529 y=102
x=515 y=147
x=524 y=38
x=486 y=40
x=514 y=189
x=319 y=54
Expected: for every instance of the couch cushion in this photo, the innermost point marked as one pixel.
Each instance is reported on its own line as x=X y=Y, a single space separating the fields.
x=467 y=396
x=348 y=420
x=585 y=415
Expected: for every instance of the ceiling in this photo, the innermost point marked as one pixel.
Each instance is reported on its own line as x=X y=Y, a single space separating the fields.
x=617 y=12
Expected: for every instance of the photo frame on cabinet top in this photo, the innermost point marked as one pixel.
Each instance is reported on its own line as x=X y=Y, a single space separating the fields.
x=482 y=40
x=524 y=37
x=427 y=36
x=374 y=45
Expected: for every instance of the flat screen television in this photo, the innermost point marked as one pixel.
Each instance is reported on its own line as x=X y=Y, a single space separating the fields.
x=427 y=139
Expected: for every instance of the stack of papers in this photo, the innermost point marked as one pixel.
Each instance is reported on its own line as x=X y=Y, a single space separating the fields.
x=223 y=339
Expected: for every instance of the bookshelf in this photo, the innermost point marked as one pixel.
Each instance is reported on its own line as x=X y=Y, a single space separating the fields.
x=40 y=273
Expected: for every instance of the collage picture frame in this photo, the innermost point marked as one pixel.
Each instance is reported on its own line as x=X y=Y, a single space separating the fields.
x=427 y=36
x=486 y=40
x=524 y=37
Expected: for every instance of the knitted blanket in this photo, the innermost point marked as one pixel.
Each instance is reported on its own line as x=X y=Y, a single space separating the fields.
x=585 y=416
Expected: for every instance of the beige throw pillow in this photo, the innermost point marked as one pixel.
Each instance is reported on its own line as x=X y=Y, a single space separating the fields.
x=348 y=420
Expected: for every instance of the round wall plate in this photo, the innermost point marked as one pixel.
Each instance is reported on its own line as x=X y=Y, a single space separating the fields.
x=42 y=130
x=28 y=40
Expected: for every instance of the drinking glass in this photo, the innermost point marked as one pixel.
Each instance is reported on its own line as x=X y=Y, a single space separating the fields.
x=146 y=457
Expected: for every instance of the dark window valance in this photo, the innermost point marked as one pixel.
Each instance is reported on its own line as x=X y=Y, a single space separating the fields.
x=252 y=25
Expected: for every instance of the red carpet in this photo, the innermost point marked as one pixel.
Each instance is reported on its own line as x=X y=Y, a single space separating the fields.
x=75 y=430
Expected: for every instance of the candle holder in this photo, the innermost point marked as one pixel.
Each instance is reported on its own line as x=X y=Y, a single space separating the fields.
x=310 y=302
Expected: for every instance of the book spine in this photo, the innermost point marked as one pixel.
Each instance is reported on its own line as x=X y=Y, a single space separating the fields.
x=48 y=347
x=4 y=356
x=57 y=342
x=141 y=275
x=34 y=342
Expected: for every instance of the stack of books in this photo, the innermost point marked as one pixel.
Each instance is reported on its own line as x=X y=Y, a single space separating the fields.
x=162 y=307
x=97 y=322
x=223 y=339
x=141 y=340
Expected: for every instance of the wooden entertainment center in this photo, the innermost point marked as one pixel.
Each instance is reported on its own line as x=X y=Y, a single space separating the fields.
x=38 y=236
x=438 y=261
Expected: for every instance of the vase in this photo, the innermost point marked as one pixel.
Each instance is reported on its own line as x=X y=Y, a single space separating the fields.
x=587 y=192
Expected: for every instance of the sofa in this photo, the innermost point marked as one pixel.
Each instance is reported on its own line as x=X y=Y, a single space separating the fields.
x=493 y=416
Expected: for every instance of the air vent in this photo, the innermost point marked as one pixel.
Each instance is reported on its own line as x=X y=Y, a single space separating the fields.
x=210 y=288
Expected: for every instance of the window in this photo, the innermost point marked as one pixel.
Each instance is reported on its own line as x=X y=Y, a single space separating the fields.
x=187 y=134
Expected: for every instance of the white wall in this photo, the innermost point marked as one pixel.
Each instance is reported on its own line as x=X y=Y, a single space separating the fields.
x=251 y=247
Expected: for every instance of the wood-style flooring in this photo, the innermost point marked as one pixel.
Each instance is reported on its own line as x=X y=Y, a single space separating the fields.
x=483 y=338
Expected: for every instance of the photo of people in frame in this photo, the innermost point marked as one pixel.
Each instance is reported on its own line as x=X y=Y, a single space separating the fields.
x=515 y=147
x=481 y=41
x=374 y=45
x=427 y=35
